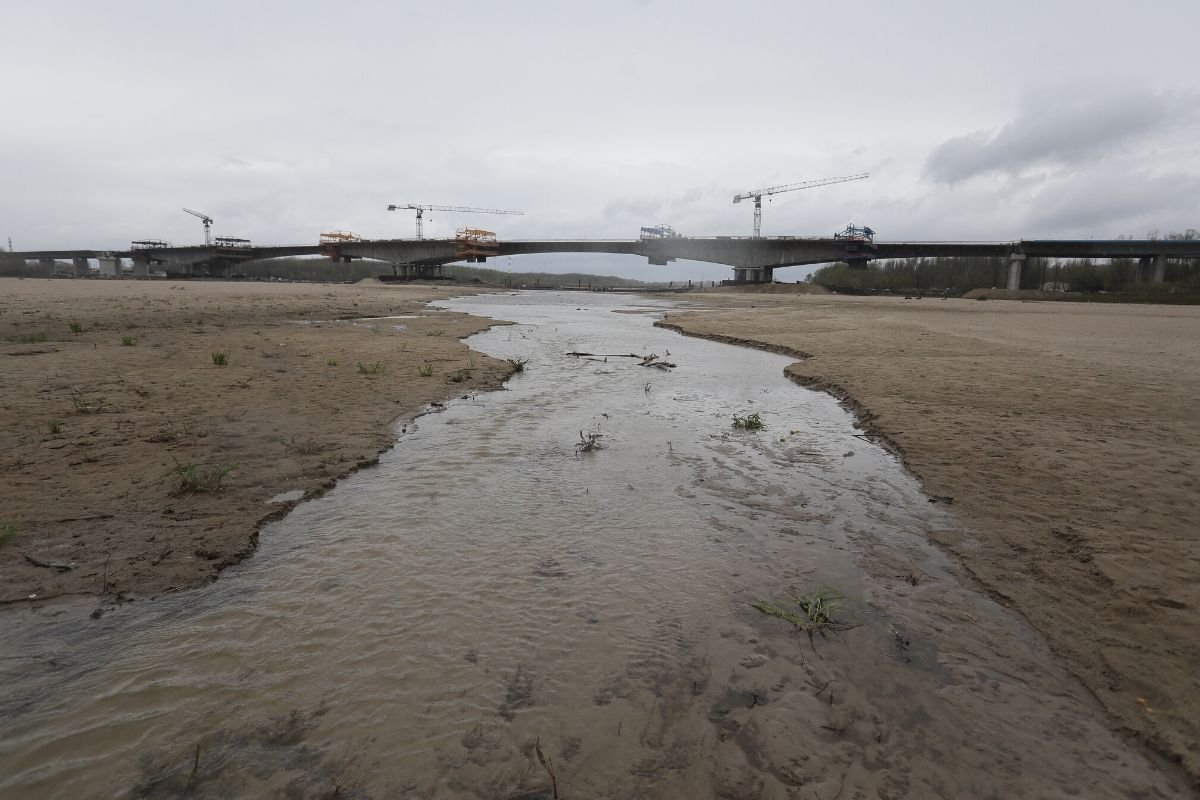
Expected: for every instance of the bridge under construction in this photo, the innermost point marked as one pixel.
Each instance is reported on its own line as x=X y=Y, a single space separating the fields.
x=752 y=259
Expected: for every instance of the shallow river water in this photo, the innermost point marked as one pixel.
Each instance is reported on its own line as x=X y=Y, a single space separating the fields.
x=422 y=628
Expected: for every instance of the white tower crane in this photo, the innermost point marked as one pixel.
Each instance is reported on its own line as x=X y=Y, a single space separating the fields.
x=758 y=194
x=421 y=209
x=207 y=220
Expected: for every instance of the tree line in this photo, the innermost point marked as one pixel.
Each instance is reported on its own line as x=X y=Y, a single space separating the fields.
x=961 y=274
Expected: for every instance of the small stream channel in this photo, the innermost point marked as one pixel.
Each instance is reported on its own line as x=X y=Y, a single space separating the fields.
x=416 y=630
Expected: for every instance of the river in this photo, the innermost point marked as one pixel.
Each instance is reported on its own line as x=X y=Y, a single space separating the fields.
x=487 y=590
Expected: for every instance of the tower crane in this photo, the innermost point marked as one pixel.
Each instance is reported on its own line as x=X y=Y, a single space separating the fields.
x=207 y=220
x=421 y=209
x=758 y=194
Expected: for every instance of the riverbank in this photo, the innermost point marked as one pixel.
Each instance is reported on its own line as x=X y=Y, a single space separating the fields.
x=133 y=464
x=1064 y=434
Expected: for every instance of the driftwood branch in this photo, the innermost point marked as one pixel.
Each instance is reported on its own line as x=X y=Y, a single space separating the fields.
x=37 y=562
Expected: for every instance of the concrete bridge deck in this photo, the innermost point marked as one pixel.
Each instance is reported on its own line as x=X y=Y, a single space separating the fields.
x=753 y=260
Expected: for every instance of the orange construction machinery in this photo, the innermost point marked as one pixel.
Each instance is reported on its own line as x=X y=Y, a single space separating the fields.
x=475 y=244
x=331 y=239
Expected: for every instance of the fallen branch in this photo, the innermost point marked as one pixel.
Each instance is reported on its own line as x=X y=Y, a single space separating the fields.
x=37 y=562
x=607 y=355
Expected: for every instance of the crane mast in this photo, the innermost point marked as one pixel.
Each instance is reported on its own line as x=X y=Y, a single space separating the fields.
x=207 y=220
x=758 y=194
x=421 y=208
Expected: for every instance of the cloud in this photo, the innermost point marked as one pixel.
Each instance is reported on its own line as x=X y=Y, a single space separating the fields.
x=1063 y=126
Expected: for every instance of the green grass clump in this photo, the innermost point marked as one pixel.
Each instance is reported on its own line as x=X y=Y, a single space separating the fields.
x=76 y=328
x=458 y=376
x=814 y=613
x=7 y=532
x=518 y=364
x=54 y=426
x=425 y=371
x=128 y=341
x=435 y=332
x=220 y=359
x=195 y=477
x=374 y=368
x=750 y=422
x=83 y=406
x=28 y=338
x=331 y=362
x=588 y=442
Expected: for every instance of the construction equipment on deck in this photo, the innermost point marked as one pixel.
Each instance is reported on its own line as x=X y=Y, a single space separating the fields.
x=660 y=231
x=855 y=234
x=330 y=240
x=231 y=241
x=476 y=244
x=207 y=220
x=421 y=209
x=860 y=244
x=758 y=194
x=337 y=237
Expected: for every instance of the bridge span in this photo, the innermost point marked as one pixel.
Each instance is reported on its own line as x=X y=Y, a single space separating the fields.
x=753 y=259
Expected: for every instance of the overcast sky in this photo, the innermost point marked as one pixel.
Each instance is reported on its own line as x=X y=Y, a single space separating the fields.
x=1000 y=120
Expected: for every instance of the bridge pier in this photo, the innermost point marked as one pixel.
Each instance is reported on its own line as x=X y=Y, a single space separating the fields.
x=751 y=275
x=1015 y=260
x=110 y=267
x=82 y=270
x=141 y=269
x=47 y=264
x=1151 y=269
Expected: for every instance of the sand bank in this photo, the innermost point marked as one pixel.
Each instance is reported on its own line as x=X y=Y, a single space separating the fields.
x=96 y=425
x=1066 y=438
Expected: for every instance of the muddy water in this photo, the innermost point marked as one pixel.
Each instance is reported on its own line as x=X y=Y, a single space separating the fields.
x=415 y=631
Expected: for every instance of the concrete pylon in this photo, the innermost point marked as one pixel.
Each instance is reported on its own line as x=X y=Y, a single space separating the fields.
x=141 y=269
x=1015 y=260
x=47 y=264
x=110 y=267
x=82 y=270
x=1160 y=269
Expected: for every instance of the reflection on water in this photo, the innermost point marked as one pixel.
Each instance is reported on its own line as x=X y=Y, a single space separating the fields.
x=415 y=631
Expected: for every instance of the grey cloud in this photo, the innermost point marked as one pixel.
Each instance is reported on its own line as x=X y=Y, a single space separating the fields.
x=1066 y=125
x=1117 y=204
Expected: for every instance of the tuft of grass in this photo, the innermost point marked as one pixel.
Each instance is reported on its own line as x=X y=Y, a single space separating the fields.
x=435 y=332
x=305 y=447
x=7 y=532
x=195 y=477
x=425 y=371
x=331 y=362
x=750 y=422
x=128 y=341
x=76 y=328
x=54 y=426
x=28 y=338
x=458 y=376
x=221 y=359
x=588 y=442
x=85 y=406
x=374 y=368
x=518 y=364
x=814 y=613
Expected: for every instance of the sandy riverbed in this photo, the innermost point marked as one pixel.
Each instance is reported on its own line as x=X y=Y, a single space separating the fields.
x=93 y=431
x=1066 y=436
